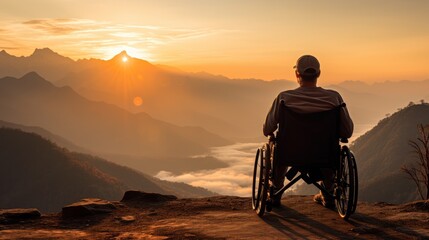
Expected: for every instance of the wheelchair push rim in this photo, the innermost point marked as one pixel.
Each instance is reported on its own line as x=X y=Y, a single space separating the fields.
x=260 y=181
x=356 y=182
x=256 y=184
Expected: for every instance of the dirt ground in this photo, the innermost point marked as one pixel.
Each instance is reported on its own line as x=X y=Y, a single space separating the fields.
x=230 y=218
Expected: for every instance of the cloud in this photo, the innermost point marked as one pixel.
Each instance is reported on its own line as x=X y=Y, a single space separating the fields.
x=233 y=180
x=53 y=26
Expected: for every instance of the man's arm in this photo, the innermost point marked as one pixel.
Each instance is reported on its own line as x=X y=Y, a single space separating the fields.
x=272 y=119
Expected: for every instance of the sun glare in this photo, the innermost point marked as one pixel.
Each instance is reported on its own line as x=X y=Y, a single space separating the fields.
x=124 y=59
x=138 y=101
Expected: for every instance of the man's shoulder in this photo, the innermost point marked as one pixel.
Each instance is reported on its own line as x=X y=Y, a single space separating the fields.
x=283 y=93
x=305 y=90
x=309 y=92
x=333 y=92
x=287 y=94
x=290 y=91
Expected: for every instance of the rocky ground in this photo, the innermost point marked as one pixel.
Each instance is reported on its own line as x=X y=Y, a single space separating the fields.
x=222 y=217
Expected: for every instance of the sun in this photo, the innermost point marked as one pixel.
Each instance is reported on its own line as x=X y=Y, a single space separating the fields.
x=124 y=59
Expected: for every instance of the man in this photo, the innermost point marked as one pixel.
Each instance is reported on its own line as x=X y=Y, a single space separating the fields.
x=307 y=98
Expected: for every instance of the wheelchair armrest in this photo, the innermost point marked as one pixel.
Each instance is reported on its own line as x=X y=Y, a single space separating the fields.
x=344 y=140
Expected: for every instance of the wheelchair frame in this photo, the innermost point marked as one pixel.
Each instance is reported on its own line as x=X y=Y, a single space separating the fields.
x=345 y=182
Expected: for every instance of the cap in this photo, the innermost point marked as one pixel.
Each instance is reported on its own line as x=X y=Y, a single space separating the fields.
x=307 y=65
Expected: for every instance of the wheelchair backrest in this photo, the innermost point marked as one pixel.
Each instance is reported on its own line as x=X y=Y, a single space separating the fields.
x=309 y=140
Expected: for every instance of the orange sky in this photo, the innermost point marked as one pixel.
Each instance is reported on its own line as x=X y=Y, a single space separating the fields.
x=369 y=40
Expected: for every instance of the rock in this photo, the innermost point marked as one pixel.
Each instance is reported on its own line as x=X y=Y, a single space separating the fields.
x=152 y=214
x=127 y=219
x=420 y=206
x=88 y=206
x=146 y=197
x=18 y=214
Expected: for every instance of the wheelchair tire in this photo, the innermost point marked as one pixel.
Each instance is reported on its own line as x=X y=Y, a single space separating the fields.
x=346 y=184
x=260 y=181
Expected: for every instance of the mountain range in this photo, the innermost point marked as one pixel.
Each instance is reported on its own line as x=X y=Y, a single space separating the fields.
x=34 y=172
x=45 y=61
x=185 y=99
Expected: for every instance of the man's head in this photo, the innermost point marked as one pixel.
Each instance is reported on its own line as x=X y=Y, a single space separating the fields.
x=307 y=68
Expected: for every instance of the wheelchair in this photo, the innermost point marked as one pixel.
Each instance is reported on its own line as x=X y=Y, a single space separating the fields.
x=306 y=143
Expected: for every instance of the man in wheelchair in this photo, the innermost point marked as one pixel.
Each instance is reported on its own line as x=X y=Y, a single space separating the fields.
x=308 y=98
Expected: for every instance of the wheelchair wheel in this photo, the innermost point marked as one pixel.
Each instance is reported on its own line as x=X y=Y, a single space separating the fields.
x=356 y=182
x=346 y=184
x=260 y=181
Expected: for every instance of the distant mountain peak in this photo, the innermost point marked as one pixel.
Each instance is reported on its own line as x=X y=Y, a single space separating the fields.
x=43 y=51
x=4 y=53
x=47 y=54
x=34 y=79
x=32 y=76
x=122 y=55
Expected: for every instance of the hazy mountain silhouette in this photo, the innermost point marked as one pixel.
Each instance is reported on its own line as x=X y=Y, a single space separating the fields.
x=229 y=107
x=34 y=172
x=381 y=153
x=97 y=126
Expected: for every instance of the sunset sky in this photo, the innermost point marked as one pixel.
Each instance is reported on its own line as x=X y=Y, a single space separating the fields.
x=369 y=40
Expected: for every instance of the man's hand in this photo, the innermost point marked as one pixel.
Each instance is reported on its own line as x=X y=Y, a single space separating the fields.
x=271 y=137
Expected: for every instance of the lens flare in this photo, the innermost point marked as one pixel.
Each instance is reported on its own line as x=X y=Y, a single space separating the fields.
x=138 y=101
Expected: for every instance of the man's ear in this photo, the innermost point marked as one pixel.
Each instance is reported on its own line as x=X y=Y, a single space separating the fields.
x=298 y=77
x=297 y=74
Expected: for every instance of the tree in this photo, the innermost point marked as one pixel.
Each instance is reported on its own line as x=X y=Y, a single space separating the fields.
x=420 y=173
